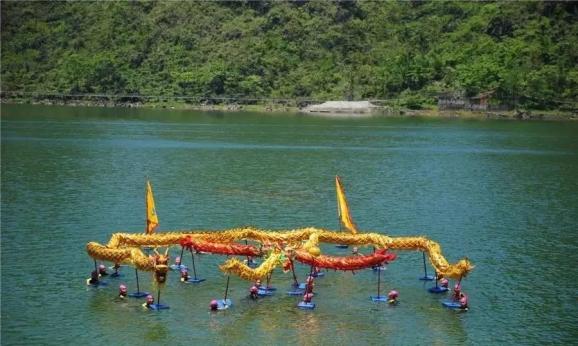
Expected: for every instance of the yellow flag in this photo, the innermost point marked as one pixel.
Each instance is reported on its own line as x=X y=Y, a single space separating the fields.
x=152 y=218
x=343 y=209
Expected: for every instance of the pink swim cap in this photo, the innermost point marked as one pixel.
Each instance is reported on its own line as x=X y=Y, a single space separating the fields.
x=101 y=267
x=214 y=304
x=393 y=294
x=458 y=287
x=122 y=288
x=254 y=289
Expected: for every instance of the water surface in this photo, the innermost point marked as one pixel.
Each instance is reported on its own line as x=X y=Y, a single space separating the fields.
x=503 y=193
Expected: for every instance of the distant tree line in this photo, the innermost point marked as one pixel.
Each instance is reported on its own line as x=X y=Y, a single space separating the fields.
x=524 y=52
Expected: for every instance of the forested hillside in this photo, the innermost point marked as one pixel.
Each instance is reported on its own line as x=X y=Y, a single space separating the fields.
x=523 y=51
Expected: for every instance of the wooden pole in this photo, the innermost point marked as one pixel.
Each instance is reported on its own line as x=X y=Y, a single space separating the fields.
x=378 y=283
x=194 y=268
x=424 y=266
x=159 y=296
x=226 y=289
x=296 y=283
x=137 y=285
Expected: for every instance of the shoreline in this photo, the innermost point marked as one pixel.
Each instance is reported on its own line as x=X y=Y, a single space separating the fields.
x=546 y=115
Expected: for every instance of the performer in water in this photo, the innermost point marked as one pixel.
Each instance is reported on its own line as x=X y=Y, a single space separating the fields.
x=444 y=283
x=214 y=305
x=184 y=275
x=149 y=302
x=93 y=280
x=116 y=267
x=102 y=270
x=464 y=302
x=392 y=297
x=254 y=292
x=457 y=292
x=122 y=291
x=309 y=285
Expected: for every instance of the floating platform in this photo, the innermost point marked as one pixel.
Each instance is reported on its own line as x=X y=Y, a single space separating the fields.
x=296 y=292
x=379 y=299
x=194 y=281
x=224 y=304
x=159 y=307
x=306 y=306
x=438 y=289
x=380 y=268
x=138 y=294
x=341 y=246
x=427 y=278
x=451 y=304
x=264 y=292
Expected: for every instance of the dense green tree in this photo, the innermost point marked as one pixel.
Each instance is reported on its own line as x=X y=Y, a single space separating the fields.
x=524 y=51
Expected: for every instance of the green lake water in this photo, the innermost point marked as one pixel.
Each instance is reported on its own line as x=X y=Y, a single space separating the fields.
x=503 y=193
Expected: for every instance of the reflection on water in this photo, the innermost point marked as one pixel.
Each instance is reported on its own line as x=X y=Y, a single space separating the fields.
x=502 y=193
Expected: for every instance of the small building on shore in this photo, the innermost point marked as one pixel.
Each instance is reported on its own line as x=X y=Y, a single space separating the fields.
x=458 y=100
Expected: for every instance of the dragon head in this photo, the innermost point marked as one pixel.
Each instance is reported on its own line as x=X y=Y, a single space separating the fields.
x=161 y=265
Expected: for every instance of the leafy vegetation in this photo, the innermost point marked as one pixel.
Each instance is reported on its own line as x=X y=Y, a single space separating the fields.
x=524 y=51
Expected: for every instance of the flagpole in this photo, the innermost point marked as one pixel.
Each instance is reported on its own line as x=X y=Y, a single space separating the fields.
x=146 y=232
